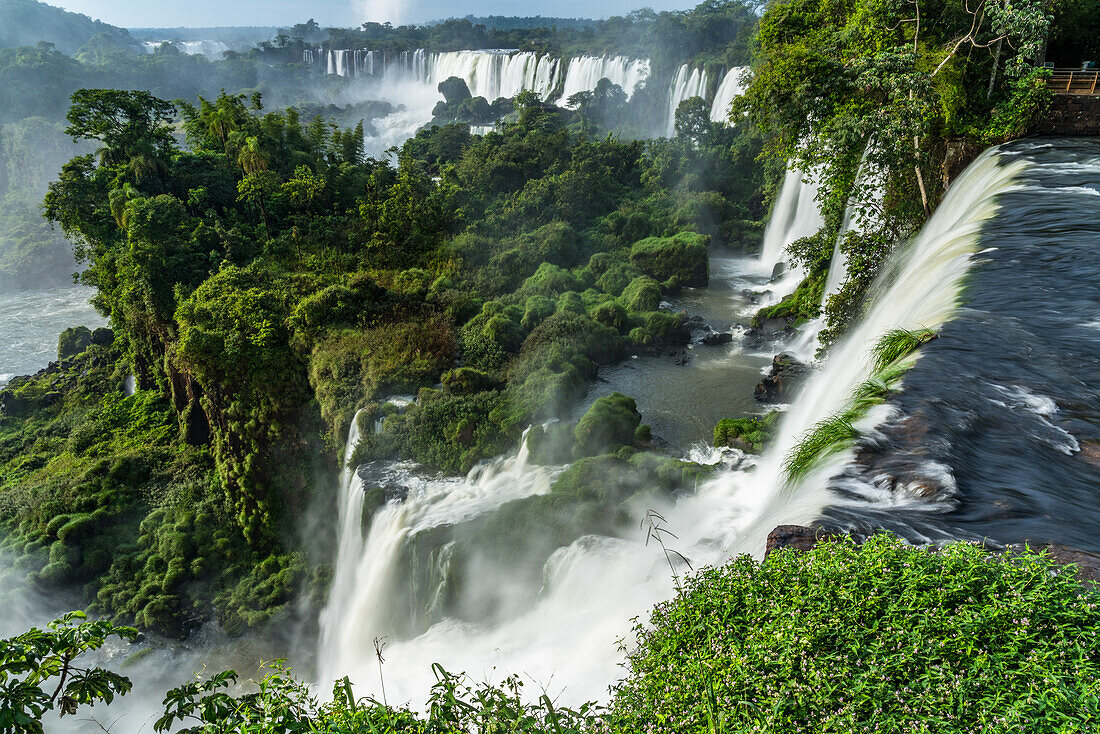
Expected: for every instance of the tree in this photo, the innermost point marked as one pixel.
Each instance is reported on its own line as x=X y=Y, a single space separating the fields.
x=32 y=662
x=126 y=122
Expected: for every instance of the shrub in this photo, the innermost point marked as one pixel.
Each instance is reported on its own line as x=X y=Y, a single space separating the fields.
x=73 y=341
x=879 y=637
x=683 y=256
x=643 y=294
x=608 y=424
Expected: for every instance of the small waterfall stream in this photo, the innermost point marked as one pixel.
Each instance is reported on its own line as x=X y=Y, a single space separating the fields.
x=795 y=215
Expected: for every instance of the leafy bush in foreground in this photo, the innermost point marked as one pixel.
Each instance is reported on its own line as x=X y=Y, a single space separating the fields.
x=882 y=637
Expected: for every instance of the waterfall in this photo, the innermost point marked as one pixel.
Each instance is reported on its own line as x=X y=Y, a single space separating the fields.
x=360 y=603
x=732 y=86
x=919 y=288
x=795 y=215
x=860 y=216
x=495 y=74
x=686 y=84
x=585 y=72
x=594 y=586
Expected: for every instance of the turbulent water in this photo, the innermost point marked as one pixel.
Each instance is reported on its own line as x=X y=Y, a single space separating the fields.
x=30 y=322
x=997 y=432
x=592 y=588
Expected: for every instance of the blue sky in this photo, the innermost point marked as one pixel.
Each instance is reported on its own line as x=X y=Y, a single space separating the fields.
x=169 y=13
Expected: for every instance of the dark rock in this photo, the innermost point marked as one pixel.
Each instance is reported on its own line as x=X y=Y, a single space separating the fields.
x=786 y=372
x=796 y=537
x=697 y=323
x=682 y=359
x=751 y=296
x=775 y=325
x=778 y=269
x=716 y=338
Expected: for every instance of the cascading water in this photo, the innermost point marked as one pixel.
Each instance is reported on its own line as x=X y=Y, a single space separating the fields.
x=594 y=586
x=495 y=74
x=360 y=603
x=731 y=87
x=795 y=215
x=585 y=72
x=686 y=84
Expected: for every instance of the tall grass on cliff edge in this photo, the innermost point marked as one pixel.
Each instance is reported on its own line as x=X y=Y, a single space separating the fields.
x=880 y=638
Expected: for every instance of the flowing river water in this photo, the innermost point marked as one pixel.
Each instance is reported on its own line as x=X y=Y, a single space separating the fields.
x=994 y=433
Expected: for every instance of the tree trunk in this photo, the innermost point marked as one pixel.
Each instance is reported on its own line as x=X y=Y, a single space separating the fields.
x=993 y=74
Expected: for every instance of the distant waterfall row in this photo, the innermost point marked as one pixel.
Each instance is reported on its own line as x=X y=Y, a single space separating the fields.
x=495 y=74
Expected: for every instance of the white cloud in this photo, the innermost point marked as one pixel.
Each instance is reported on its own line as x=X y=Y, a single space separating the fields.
x=380 y=11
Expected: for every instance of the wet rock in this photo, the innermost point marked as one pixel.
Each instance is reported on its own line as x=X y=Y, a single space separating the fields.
x=778 y=269
x=696 y=323
x=786 y=372
x=751 y=296
x=717 y=338
x=682 y=359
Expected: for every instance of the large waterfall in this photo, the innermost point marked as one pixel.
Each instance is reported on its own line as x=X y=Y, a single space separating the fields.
x=585 y=72
x=592 y=588
x=493 y=74
x=795 y=215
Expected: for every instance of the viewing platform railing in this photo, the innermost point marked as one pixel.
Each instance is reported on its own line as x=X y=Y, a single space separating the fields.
x=1074 y=81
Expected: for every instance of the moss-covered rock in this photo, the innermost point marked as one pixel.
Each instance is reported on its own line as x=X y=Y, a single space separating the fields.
x=608 y=424
x=73 y=341
x=642 y=295
x=748 y=434
x=682 y=256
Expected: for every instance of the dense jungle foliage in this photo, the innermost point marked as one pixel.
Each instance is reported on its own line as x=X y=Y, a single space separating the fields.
x=847 y=638
x=884 y=104
x=265 y=280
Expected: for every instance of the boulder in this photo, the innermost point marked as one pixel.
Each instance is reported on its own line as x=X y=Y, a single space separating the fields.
x=796 y=537
x=682 y=257
x=717 y=338
x=786 y=372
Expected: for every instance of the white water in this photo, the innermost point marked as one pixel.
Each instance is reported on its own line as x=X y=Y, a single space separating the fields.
x=31 y=321
x=359 y=608
x=795 y=215
x=592 y=588
x=585 y=72
x=732 y=87
x=686 y=84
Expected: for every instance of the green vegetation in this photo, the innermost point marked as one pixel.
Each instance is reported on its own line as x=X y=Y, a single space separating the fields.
x=879 y=637
x=749 y=434
x=875 y=637
x=909 y=91
x=265 y=280
x=40 y=671
x=891 y=357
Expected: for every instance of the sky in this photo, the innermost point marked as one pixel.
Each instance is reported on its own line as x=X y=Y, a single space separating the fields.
x=200 y=13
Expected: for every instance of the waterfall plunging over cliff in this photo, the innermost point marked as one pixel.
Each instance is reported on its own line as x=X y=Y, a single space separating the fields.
x=795 y=215
x=686 y=84
x=585 y=72
x=731 y=87
x=592 y=587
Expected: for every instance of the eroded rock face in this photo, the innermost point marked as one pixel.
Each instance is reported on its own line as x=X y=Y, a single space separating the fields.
x=786 y=372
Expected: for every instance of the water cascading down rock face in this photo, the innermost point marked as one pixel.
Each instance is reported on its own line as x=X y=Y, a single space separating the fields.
x=592 y=588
